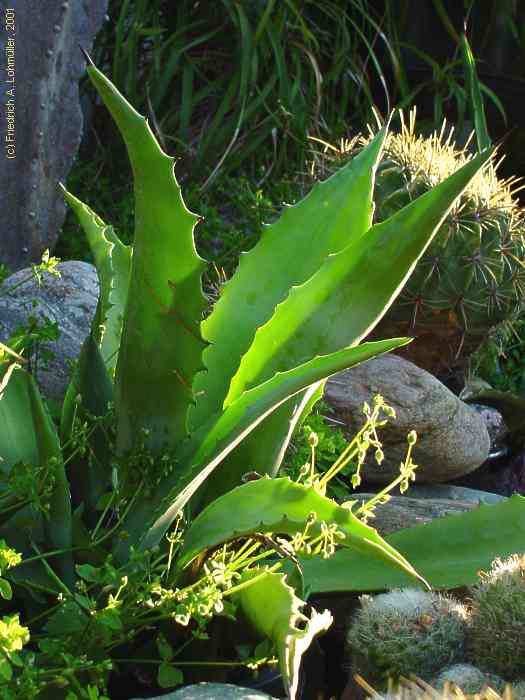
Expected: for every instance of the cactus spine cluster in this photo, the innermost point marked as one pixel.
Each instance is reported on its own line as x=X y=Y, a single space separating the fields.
x=496 y=639
x=472 y=276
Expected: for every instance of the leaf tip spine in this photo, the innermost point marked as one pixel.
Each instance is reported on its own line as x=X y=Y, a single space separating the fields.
x=88 y=58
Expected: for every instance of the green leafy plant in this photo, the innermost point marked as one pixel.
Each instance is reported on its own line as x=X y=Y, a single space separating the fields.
x=324 y=441
x=25 y=345
x=138 y=512
x=436 y=549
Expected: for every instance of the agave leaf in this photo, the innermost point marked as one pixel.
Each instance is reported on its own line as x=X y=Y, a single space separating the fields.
x=283 y=507
x=275 y=611
x=291 y=250
x=91 y=384
x=267 y=444
x=113 y=263
x=336 y=307
x=27 y=435
x=161 y=345
x=354 y=288
x=448 y=552
x=147 y=524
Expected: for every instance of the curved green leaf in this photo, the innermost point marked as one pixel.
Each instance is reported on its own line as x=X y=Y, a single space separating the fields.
x=27 y=434
x=89 y=474
x=113 y=263
x=449 y=552
x=161 y=345
x=90 y=381
x=281 y=506
x=290 y=252
x=343 y=301
x=264 y=448
x=213 y=442
x=274 y=610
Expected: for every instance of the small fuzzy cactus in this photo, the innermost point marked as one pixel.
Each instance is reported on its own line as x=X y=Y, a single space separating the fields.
x=496 y=637
x=472 y=275
x=404 y=632
x=468 y=678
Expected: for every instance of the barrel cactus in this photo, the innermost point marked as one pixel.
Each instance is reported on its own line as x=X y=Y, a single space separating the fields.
x=496 y=641
x=472 y=276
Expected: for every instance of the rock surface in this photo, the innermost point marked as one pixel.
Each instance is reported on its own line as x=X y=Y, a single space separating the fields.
x=48 y=64
x=454 y=493
x=496 y=427
x=422 y=504
x=401 y=511
x=503 y=476
x=452 y=437
x=70 y=301
x=213 y=691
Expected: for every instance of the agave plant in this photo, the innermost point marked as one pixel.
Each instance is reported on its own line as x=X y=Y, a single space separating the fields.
x=200 y=400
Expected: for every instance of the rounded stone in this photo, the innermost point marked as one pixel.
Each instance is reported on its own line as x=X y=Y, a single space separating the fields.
x=452 y=437
x=496 y=426
x=69 y=301
x=217 y=691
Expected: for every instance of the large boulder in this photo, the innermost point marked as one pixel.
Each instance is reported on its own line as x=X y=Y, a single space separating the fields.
x=452 y=437
x=69 y=301
x=42 y=136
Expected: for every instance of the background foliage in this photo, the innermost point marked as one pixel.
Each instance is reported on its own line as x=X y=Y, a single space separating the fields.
x=235 y=89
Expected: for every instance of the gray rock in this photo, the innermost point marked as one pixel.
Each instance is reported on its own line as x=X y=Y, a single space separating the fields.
x=406 y=511
x=213 y=691
x=70 y=301
x=452 y=437
x=423 y=504
x=44 y=44
x=455 y=493
x=496 y=427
